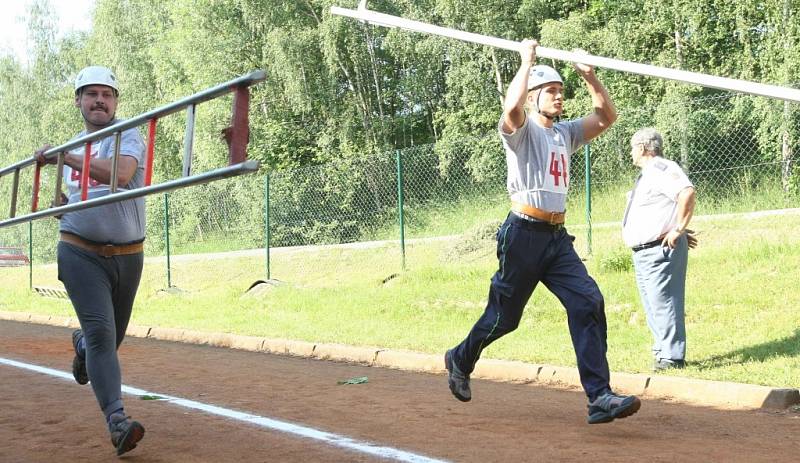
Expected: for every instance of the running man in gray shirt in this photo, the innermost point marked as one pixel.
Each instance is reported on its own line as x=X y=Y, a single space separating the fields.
x=532 y=244
x=100 y=254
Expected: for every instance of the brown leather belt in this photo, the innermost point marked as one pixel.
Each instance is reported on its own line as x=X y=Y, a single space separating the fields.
x=553 y=218
x=105 y=250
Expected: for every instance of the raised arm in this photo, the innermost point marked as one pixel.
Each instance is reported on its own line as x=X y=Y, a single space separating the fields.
x=604 y=111
x=517 y=94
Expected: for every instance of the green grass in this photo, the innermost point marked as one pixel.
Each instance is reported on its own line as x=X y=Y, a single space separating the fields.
x=742 y=319
x=607 y=205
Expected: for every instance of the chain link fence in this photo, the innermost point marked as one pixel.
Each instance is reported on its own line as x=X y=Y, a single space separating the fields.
x=740 y=151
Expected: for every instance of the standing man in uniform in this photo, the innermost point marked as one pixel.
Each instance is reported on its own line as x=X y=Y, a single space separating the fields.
x=654 y=226
x=100 y=251
x=532 y=244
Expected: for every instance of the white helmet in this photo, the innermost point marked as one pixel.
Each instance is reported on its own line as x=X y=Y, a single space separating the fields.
x=96 y=75
x=540 y=75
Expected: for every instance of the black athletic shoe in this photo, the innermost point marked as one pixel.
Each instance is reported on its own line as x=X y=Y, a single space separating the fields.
x=459 y=382
x=610 y=406
x=78 y=363
x=125 y=433
x=665 y=364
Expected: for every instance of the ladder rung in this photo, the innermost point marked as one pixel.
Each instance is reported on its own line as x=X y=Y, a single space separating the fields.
x=87 y=163
x=59 y=174
x=37 y=172
x=151 y=147
x=14 y=192
x=115 y=162
x=188 y=140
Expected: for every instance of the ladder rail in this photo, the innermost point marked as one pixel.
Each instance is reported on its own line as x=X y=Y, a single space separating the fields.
x=245 y=167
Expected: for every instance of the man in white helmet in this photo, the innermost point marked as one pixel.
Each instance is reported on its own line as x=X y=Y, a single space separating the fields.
x=100 y=251
x=532 y=244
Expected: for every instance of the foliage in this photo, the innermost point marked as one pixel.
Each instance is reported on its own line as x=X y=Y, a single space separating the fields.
x=616 y=260
x=342 y=98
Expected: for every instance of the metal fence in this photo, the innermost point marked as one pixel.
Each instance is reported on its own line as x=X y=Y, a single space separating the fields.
x=740 y=151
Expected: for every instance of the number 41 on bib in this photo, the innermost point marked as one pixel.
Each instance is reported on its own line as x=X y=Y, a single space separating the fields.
x=560 y=175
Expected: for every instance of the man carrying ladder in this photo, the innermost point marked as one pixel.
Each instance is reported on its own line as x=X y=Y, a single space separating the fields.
x=100 y=252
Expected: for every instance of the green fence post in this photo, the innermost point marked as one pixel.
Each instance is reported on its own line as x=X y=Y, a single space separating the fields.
x=400 y=206
x=30 y=255
x=166 y=238
x=587 y=151
x=266 y=222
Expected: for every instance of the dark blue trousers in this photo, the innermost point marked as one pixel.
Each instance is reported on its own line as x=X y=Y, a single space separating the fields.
x=529 y=253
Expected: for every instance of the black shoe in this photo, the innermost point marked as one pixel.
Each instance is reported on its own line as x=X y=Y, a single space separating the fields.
x=125 y=433
x=459 y=382
x=610 y=406
x=666 y=364
x=78 y=363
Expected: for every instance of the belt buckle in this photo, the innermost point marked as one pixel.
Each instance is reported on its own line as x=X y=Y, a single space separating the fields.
x=107 y=250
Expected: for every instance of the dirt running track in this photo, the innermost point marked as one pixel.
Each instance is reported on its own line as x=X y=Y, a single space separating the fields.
x=44 y=418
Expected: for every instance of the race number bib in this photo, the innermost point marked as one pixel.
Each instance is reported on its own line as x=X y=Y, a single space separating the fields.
x=557 y=178
x=73 y=177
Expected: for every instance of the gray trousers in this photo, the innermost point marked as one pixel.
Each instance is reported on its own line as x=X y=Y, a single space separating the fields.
x=102 y=290
x=661 y=278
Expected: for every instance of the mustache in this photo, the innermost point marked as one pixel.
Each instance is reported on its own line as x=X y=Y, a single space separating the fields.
x=100 y=107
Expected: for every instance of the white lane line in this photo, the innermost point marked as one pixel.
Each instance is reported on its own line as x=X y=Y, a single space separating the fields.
x=264 y=422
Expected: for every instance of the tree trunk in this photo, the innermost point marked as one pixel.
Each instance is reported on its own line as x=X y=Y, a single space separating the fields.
x=498 y=78
x=786 y=133
x=352 y=80
x=375 y=80
x=684 y=136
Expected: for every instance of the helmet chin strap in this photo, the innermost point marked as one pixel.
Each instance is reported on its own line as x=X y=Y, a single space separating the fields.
x=552 y=117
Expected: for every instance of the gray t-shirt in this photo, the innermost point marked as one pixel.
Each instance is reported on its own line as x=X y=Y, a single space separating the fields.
x=121 y=222
x=538 y=161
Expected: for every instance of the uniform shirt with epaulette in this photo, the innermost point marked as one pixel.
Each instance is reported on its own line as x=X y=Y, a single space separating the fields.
x=652 y=205
x=538 y=160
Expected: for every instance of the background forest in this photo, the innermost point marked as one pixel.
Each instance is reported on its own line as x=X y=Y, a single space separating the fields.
x=341 y=98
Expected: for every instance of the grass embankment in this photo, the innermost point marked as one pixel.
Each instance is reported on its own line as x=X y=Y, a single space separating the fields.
x=743 y=321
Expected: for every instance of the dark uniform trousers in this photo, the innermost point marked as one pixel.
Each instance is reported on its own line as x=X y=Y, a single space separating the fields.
x=530 y=252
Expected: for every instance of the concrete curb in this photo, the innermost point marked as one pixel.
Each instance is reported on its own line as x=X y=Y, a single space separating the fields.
x=736 y=396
